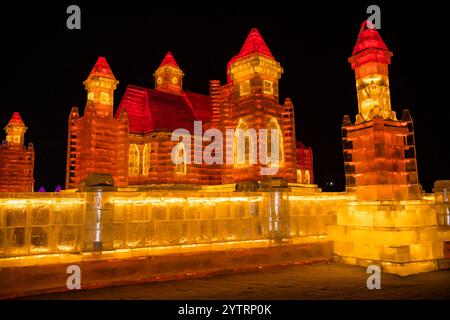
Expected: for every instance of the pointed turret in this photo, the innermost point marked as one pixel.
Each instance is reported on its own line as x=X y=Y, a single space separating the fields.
x=169 y=60
x=254 y=69
x=16 y=120
x=15 y=130
x=16 y=159
x=102 y=69
x=370 y=60
x=254 y=44
x=100 y=86
x=169 y=77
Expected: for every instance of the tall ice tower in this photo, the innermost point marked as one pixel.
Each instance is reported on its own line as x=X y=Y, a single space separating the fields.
x=379 y=150
x=249 y=103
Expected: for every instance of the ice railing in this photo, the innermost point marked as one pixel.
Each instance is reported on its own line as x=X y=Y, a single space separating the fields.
x=47 y=223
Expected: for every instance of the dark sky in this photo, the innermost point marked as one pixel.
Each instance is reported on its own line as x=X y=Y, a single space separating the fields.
x=44 y=65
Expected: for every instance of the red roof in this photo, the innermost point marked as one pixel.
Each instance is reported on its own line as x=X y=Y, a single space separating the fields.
x=369 y=48
x=169 y=60
x=153 y=110
x=368 y=39
x=16 y=120
x=253 y=44
x=101 y=68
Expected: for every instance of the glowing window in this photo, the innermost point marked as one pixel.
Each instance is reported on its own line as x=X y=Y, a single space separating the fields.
x=308 y=177
x=299 y=176
x=91 y=96
x=245 y=148
x=133 y=160
x=267 y=87
x=245 y=87
x=274 y=132
x=146 y=159
x=105 y=98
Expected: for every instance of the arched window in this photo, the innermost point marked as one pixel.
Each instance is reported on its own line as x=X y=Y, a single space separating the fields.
x=180 y=168
x=299 y=176
x=267 y=87
x=273 y=125
x=308 y=177
x=245 y=87
x=133 y=160
x=245 y=148
x=146 y=159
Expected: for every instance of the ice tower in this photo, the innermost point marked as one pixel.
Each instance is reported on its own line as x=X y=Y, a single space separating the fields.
x=379 y=150
x=16 y=160
x=97 y=142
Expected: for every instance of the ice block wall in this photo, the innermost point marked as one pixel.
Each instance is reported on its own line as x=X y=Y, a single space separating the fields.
x=41 y=228
x=400 y=236
x=57 y=223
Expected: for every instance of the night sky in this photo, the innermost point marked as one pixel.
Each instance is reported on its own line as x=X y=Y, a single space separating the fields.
x=44 y=65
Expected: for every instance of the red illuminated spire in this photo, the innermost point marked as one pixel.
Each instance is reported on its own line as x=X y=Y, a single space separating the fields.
x=169 y=60
x=369 y=48
x=16 y=120
x=368 y=39
x=254 y=44
x=102 y=69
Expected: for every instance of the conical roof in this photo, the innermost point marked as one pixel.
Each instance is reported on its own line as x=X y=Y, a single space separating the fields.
x=16 y=120
x=368 y=38
x=169 y=60
x=254 y=44
x=102 y=69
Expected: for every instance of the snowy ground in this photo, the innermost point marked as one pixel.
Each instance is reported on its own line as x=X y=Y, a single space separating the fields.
x=315 y=281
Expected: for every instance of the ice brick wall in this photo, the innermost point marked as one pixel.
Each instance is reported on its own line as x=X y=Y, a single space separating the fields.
x=38 y=223
x=401 y=236
x=46 y=223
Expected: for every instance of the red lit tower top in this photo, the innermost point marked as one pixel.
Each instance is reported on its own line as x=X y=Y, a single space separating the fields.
x=254 y=70
x=169 y=77
x=370 y=60
x=100 y=86
x=15 y=130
